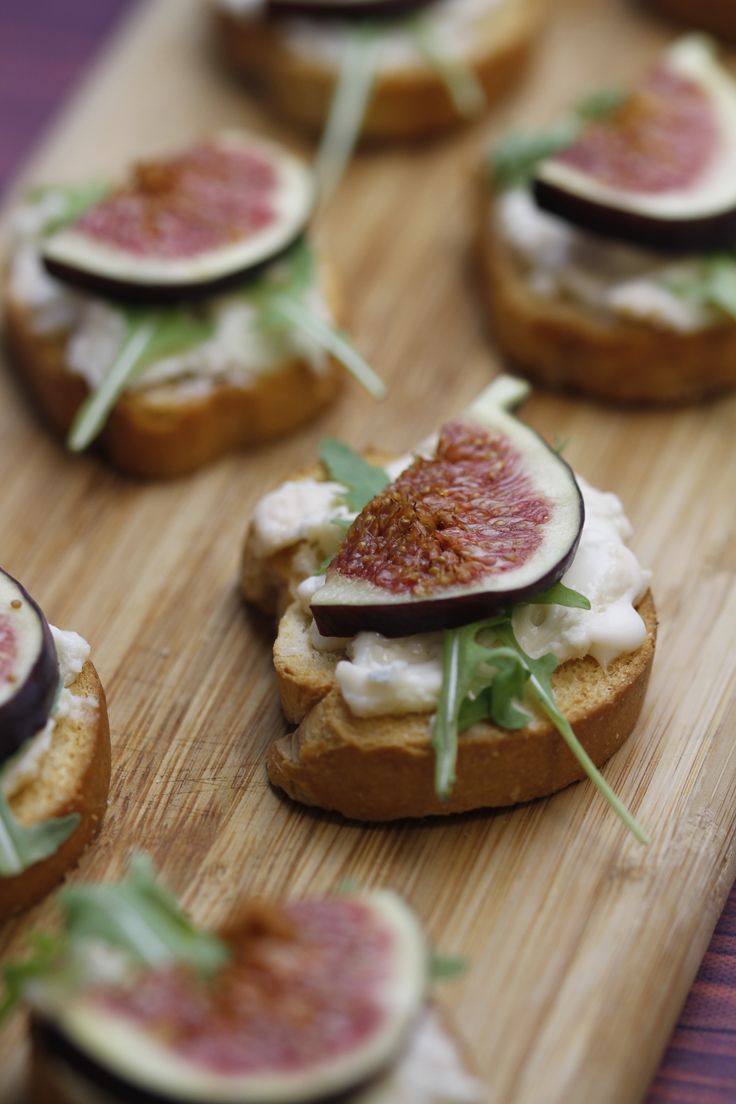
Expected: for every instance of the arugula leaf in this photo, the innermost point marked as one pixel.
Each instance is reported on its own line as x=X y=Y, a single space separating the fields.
x=280 y=296
x=468 y=667
x=350 y=97
x=137 y=915
x=72 y=200
x=150 y=334
x=23 y=845
x=714 y=284
x=443 y=967
x=517 y=155
x=540 y=682
x=559 y=595
x=485 y=673
x=600 y=104
x=463 y=86
x=362 y=481
x=45 y=952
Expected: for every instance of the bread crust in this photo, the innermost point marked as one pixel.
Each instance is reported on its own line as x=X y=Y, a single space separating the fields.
x=74 y=778
x=404 y=103
x=382 y=768
x=717 y=16
x=568 y=346
x=160 y=434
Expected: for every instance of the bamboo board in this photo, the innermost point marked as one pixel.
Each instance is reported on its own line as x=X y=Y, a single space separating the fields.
x=582 y=943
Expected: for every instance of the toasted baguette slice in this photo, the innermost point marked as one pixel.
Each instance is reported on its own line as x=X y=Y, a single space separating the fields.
x=563 y=344
x=718 y=16
x=169 y=430
x=74 y=778
x=404 y=103
x=382 y=768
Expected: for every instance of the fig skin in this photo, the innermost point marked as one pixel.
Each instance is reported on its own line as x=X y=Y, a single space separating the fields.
x=709 y=233
x=323 y=9
x=122 y=291
x=26 y=712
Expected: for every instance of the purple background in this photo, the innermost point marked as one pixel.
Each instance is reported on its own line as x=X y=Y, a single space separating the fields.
x=44 y=45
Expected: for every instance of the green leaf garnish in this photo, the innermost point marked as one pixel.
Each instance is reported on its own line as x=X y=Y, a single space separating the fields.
x=362 y=481
x=559 y=595
x=138 y=916
x=350 y=97
x=135 y=915
x=713 y=284
x=45 y=952
x=463 y=86
x=517 y=155
x=23 y=845
x=600 y=104
x=72 y=200
x=150 y=334
x=280 y=296
x=444 y=967
x=485 y=672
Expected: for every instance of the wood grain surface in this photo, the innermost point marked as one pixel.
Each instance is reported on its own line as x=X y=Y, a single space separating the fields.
x=583 y=944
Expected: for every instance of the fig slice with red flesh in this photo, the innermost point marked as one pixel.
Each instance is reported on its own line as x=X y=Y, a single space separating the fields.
x=189 y=224
x=492 y=517
x=660 y=170
x=346 y=9
x=318 y=997
x=29 y=668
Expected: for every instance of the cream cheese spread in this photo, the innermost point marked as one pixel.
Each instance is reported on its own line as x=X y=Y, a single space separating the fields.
x=72 y=652
x=401 y=675
x=238 y=351
x=455 y=24
x=622 y=281
x=431 y=1072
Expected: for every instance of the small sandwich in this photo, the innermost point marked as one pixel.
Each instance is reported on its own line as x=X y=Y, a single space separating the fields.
x=54 y=750
x=460 y=628
x=377 y=68
x=295 y=1002
x=607 y=243
x=180 y=314
x=716 y=16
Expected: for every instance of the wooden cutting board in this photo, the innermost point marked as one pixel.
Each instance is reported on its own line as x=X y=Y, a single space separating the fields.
x=582 y=943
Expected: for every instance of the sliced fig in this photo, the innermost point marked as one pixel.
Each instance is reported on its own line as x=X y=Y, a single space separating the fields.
x=492 y=517
x=188 y=224
x=29 y=669
x=319 y=996
x=660 y=170
x=346 y=9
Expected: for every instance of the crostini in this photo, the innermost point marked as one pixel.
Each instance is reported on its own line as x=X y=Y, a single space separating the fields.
x=606 y=243
x=397 y=69
x=460 y=628
x=295 y=1001
x=181 y=314
x=54 y=750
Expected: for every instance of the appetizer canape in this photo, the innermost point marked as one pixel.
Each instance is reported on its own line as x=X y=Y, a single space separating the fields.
x=607 y=243
x=460 y=628
x=377 y=68
x=179 y=314
x=295 y=1002
x=54 y=750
